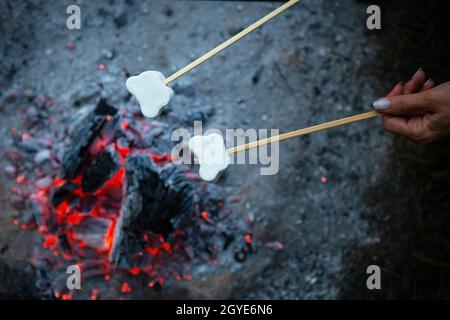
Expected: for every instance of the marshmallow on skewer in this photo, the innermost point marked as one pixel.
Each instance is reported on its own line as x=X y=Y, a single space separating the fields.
x=150 y=91
x=211 y=153
x=150 y=87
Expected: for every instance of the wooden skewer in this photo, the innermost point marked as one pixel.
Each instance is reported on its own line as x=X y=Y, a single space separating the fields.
x=303 y=132
x=230 y=41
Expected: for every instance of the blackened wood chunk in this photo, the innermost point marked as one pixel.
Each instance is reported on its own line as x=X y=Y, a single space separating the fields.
x=64 y=193
x=88 y=130
x=104 y=167
x=104 y=109
x=154 y=200
x=181 y=195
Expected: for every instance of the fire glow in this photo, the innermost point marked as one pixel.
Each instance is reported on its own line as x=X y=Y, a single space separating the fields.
x=79 y=226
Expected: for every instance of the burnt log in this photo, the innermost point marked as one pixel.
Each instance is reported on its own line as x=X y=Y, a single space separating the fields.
x=64 y=193
x=104 y=167
x=87 y=132
x=154 y=201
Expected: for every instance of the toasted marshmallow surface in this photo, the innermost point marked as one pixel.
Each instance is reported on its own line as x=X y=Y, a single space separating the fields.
x=211 y=153
x=150 y=91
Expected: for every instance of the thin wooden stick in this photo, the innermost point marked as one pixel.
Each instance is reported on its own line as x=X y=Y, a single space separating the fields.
x=303 y=132
x=230 y=41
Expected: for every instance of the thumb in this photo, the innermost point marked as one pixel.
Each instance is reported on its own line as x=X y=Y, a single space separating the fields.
x=404 y=104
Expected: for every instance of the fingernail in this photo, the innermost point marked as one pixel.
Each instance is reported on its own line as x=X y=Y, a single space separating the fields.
x=398 y=85
x=418 y=72
x=429 y=81
x=382 y=104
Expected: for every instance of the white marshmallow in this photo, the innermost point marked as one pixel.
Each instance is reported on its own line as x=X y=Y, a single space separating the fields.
x=211 y=154
x=150 y=91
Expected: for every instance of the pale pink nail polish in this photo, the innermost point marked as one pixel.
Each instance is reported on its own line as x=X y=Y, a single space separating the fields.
x=382 y=104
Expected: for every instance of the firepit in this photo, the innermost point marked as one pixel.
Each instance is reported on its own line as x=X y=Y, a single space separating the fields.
x=287 y=75
x=121 y=212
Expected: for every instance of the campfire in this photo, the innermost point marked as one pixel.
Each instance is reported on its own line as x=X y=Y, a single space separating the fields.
x=119 y=210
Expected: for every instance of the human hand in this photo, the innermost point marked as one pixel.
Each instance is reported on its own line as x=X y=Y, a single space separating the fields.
x=418 y=110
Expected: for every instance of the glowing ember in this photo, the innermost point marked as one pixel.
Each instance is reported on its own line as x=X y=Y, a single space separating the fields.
x=204 y=216
x=126 y=288
x=21 y=179
x=94 y=294
x=51 y=242
x=135 y=271
x=65 y=297
x=248 y=238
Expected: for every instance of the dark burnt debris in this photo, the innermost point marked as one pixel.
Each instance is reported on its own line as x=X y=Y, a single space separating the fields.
x=153 y=199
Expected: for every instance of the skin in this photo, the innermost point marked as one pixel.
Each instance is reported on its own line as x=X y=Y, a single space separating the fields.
x=419 y=110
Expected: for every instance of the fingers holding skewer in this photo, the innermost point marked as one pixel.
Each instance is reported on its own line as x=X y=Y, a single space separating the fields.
x=215 y=158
